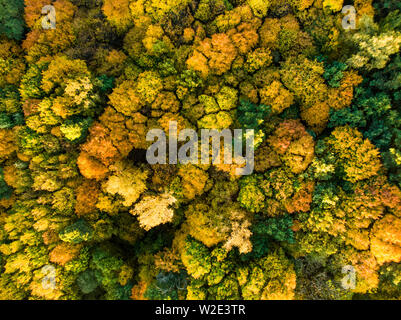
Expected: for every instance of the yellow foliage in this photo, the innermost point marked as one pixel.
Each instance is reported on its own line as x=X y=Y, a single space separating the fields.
x=118 y=13
x=64 y=253
x=386 y=239
x=341 y=97
x=269 y=33
x=301 y=4
x=11 y=65
x=125 y=99
x=127 y=181
x=334 y=5
x=62 y=69
x=148 y=85
x=214 y=54
x=153 y=211
x=276 y=96
x=259 y=7
x=193 y=180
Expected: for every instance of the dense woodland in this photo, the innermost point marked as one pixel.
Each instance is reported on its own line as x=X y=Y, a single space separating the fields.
x=77 y=192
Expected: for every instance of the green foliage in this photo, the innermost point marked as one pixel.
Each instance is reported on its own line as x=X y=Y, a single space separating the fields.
x=251 y=197
x=107 y=267
x=276 y=228
x=11 y=19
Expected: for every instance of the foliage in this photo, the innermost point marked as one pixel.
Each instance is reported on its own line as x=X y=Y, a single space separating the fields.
x=12 y=23
x=78 y=194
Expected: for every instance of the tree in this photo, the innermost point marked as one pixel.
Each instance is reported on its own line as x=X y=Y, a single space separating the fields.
x=118 y=13
x=293 y=144
x=121 y=181
x=357 y=164
x=76 y=233
x=385 y=239
x=12 y=23
x=374 y=47
x=154 y=210
x=79 y=198
x=214 y=55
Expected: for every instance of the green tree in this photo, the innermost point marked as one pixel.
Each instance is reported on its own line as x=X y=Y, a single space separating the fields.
x=11 y=19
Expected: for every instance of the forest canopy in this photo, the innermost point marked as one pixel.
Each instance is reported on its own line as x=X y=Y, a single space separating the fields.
x=83 y=215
